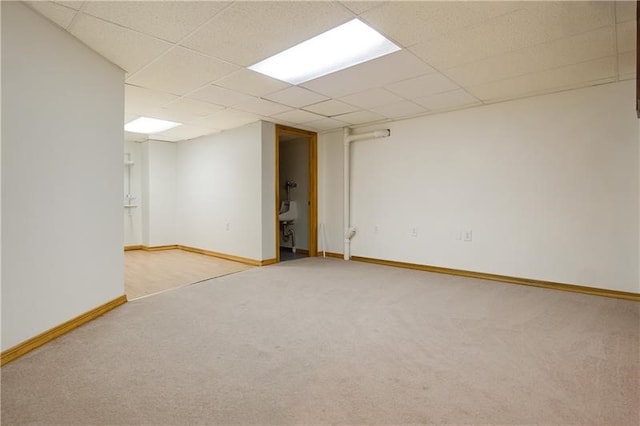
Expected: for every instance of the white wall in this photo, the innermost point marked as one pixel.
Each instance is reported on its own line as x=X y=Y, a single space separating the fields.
x=144 y=191
x=294 y=165
x=62 y=133
x=547 y=185
x=330 y=192
x=133 y=216
x=220 y=192
x=0 y=175
x=159 y=197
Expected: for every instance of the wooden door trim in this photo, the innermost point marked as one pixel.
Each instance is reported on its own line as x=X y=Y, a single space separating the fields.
x=312 y=144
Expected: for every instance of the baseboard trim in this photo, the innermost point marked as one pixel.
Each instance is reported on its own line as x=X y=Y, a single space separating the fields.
x=244 y=260
x=159 y=248
x=506 y=279
x=47 y=336
x=331 y=254
x=225 y=256
x=268 y=262
x=151 y=248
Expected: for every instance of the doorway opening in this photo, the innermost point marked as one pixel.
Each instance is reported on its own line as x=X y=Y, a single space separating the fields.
x=296 y=193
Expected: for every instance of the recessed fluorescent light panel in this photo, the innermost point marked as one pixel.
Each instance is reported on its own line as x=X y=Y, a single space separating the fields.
x=149 y=125
x=342 y=47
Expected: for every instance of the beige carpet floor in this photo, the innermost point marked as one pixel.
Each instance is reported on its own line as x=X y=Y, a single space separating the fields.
x=151 y=272
x=323 y=341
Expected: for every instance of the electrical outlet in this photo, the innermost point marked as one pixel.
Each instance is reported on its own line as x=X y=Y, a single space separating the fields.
x=414 y=232
x=468 y=236
x=227 y=226
x=376 y=229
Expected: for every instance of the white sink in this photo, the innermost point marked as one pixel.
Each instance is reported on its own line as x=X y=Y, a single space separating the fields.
x=288 y=211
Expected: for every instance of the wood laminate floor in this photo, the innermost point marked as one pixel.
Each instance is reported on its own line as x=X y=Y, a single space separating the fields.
x=153 y=272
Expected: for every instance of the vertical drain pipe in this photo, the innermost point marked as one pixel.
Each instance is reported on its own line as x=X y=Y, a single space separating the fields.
x=346 y=180
x=350 y=231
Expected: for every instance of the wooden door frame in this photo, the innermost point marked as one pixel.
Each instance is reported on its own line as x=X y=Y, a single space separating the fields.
x=312 y=144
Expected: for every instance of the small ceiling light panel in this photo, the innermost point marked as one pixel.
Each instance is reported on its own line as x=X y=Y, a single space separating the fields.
x=149 y=125
x=342 y=47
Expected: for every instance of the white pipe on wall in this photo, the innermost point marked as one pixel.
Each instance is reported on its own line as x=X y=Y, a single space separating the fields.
x=345 y=193
x=350 y=231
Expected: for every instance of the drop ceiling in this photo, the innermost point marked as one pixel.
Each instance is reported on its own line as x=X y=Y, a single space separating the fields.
x=187 y=61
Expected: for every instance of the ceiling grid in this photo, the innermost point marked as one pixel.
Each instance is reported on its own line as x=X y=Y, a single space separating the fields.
x=187 y=61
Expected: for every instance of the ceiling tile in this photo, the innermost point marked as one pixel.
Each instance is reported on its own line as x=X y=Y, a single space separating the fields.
x=582 y=47
x=297 y=116
x=251 y=82
x=423 y=86
x=563 y=19
x=326 y=124
x=537 y=22
x=72 y=4
x=361 y=117
x=296 y=97
x=247 y=32
x=141 y=101
x=168 y=20
x=180 y=71
x=182 y=133
x=165 y=114
x=189 y=110
x=262 y=107
x=400 y=110
x=481 y=41
x=626 y=36
x=388 y=69
x=447 y=100
x=411 y=22
x=330 y=108
x=58 y=14
x=359 y=7
x=371 y=98
x=283 y=122
x=625 y=10
x=108 y=40
x=627 y=64
x=227 y=119
x=576 y=75
x=220 y=96
x=500 y=50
